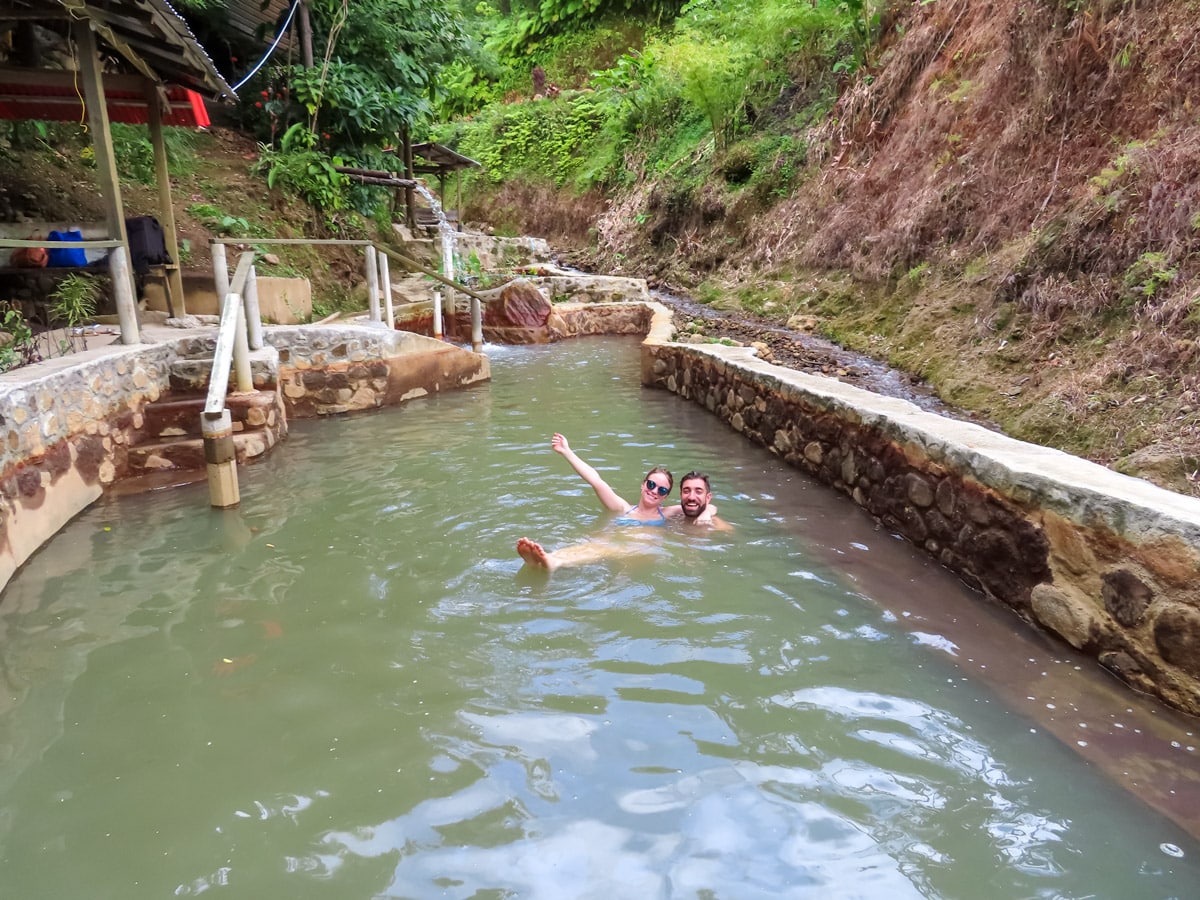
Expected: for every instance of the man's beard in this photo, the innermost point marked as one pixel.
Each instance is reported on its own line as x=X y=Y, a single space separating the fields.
x=696 y=512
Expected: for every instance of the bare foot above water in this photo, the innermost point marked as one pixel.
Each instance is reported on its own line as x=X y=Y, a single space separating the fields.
x=534 y=555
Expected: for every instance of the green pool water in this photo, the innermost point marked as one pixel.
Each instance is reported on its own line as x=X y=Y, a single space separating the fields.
x=350 y=687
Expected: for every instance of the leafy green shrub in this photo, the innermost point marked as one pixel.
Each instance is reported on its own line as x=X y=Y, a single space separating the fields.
x=549 y=139
x=218 y=221
x=1148 y=276
x=779 y=159
x=299 y=167
x=21 y=350
x=376 y=75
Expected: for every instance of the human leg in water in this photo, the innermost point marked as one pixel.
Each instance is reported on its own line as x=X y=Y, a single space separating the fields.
x=539 y=557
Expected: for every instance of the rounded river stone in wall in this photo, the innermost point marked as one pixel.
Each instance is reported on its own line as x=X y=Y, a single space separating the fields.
x=1125 y=596
x=1177 y=634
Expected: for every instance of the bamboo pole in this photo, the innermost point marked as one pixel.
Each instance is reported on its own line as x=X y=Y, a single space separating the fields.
x=413 y=266
x=410 y=210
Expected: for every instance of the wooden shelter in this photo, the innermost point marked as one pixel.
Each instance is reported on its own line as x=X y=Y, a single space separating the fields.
x=441 y=161
x=166 y=76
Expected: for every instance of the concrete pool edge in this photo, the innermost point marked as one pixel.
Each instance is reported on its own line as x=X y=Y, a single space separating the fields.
x=1108 y=563
x=68 y=424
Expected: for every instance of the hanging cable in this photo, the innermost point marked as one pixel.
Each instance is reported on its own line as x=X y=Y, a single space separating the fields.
x=279 y=37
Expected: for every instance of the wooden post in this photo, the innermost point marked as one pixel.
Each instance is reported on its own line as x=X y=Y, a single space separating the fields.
x=372 y=282
x=385 y=278
x=254 y=332
x=458 y=199
x=166 y=212
x=476 y=325
x=220 y=456
x=106 y=162
x=410 y=210
x=122 y=281
x=306 y=46
x=243 y=376
x=220 y=271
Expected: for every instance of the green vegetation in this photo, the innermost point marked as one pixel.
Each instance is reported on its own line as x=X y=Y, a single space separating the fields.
x=135 y=154
x=722 y=89
x=20 y=348
x=219 y=222
x=74 y=303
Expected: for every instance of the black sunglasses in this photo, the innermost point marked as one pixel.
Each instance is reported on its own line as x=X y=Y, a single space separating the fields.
x=657 y=488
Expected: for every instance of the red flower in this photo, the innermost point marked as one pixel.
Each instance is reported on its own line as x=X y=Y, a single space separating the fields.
x=266 y=94
x=325 y=136
x=259 y=104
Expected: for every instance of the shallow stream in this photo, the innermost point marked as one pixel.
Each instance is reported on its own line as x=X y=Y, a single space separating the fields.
x=351 y=688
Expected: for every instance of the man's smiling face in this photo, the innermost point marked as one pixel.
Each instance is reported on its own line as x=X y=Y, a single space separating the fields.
x=694 y=496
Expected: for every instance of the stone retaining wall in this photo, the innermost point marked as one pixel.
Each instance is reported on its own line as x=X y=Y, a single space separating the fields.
x=1110 y=564
x=67 y=434
x=325 y=370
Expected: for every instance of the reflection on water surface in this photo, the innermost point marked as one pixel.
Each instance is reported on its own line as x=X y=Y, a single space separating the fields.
x=349 y=687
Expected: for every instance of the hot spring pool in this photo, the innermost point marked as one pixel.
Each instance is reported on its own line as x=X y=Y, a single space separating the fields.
x=350 y=688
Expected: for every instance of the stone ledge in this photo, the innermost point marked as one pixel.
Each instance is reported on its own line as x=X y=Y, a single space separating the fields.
x=1109 y=563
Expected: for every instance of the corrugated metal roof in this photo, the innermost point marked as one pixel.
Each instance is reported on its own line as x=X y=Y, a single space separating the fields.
x=442 y=159
x=148 y=34
x=246 y=16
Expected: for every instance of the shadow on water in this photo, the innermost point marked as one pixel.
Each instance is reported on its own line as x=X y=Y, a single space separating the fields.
x=351 y=686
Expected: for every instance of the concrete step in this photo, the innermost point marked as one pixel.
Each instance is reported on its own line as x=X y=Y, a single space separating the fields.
x=188 y=453
x=193 y=374
x=179 y=416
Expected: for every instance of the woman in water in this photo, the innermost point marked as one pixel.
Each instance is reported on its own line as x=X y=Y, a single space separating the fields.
x=648 y=511
x=654 y=489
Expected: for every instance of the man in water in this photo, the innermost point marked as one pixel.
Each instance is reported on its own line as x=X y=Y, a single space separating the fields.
x=695 y=494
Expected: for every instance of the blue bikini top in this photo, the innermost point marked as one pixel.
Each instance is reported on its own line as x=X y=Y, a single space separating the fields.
x=626 y=519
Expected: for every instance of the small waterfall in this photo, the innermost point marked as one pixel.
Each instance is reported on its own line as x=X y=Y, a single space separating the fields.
x=445 y=228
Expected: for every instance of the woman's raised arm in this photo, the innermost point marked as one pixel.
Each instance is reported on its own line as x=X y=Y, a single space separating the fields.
x=609 y=498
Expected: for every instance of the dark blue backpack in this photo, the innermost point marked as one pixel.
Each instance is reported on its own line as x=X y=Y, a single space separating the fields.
x=67 y=256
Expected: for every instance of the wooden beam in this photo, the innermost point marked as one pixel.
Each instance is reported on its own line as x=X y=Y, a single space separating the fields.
x=410 y=210
x=166 y=211
x=101 y=134
x=64 y=79
x=120 y=46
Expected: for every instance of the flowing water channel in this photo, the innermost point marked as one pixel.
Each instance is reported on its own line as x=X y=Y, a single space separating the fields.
x=351 y=688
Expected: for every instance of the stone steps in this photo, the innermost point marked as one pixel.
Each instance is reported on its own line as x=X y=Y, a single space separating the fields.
x=172 y=439
x=180 y=416
x=188 y=453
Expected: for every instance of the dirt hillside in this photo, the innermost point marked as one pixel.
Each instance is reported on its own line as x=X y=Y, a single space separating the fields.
x=1006 y=204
